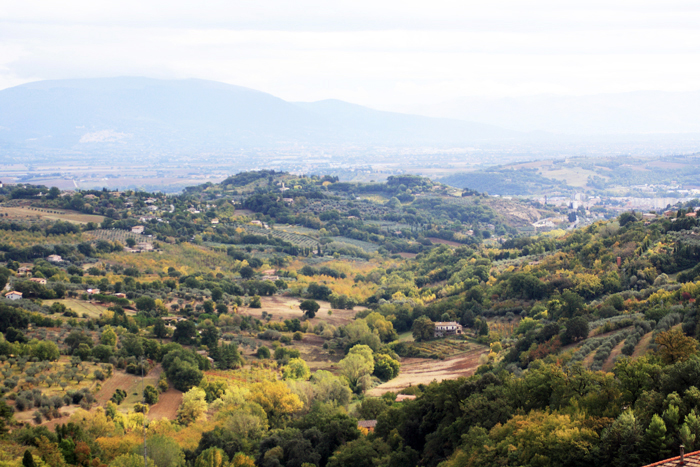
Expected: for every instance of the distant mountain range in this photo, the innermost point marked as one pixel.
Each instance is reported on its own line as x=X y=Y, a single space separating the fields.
x=142 y=114
x=642 y=112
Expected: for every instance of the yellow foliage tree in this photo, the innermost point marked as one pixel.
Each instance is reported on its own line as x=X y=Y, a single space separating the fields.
x=276 y=399
x=674 y=346
x=193 y=407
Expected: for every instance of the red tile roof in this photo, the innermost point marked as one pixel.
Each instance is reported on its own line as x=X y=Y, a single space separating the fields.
x=692 y=459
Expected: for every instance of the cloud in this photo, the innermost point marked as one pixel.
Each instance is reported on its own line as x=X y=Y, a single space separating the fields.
x=382 y=54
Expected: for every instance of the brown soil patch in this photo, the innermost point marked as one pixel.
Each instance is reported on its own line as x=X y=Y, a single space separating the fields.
x=282 y=307
x=426 y=370
x=643 y=345
x=616 y=351
x=118 y=380
x=167 y=405
x=408 y=255
x=51 y=214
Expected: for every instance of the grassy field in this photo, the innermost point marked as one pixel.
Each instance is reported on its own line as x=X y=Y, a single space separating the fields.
x=23 y=213
x=416 y=371
x=79 y=306
x=282 y=308
x=573 y=176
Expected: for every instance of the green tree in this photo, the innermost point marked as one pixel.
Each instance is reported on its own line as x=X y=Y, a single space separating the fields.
x=423 y=329
x=46 y=351
x=576 y=329
x=145 y=304
x=296 y=369
x=309 y=307
x=150 y=395
x=28 y=459
x=386 y=368
x=185 y=332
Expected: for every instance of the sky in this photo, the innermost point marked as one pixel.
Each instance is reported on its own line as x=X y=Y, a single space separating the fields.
x=383 y=54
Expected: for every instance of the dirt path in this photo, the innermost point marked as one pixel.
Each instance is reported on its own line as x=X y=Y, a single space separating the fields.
x=643 y=345
x=616 y=351
x=425 y=370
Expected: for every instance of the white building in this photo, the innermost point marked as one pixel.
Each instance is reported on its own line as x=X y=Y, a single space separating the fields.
x=447 y=328
x=14 y=295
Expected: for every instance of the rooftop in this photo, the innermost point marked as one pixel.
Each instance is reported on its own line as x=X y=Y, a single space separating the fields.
x=692 y=459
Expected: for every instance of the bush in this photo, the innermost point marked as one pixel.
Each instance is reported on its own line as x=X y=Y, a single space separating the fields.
x=298 y=336
x=263 y=352
x=150 y=395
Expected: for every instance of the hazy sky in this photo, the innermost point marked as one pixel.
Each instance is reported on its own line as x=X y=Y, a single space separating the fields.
x=378 y=53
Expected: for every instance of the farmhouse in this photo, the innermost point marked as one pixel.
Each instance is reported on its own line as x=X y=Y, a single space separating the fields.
x=367 y=424
x=38 y=280
x=14 y=295
x=24 y=271
x=54 y=259
x=137 y=229
x=447 y=328
x=270 y=278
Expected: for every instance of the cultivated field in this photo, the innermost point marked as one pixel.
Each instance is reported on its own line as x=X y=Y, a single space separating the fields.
x=423 y=371
x=115 y=235
x=25 y=213
x=93 y=310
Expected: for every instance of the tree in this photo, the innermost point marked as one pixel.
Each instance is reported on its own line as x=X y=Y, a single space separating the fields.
x=185 y=332
x=108 y=337
x=576 y=329
x=255 y=302
x=386 y=368
x=354 y=367
x=674 y=346
x=28 y=459
x=46 y=351
x=263 y=352
x=150 y=395
x=423 y=329
x=130 y=460
x=50 y=453
x=247 y=272
x=309 y=307
x=193 y=407
x=164 y=451
x=296 y=369
x=241 y=460
x=276 y=399
x=209 y=335
x=145 y=304
x=212 y=457
x=159 y=329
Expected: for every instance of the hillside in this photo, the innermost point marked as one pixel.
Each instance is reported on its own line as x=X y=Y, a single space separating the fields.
x=135 y=115
x=272 y=312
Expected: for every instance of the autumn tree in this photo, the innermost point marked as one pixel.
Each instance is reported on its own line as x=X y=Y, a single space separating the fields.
x=674 y=346
x=193 y=407
x=212 y=457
